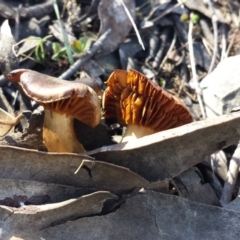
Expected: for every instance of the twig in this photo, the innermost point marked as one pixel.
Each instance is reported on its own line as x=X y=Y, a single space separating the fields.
x=153 y=44
x=194 y=72
x=215 y=33
x=161 y=51
x=169 y=50
x=94 y=4
x=207 y=32
x=133 y=24
x=17 y=23
x=231 y=177
x=167 y=11
x=224 y=43
x=231 y=42
x=86 y=56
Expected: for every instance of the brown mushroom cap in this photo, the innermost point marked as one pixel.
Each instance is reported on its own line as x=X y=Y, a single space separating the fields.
x=61 y=96
x=92 y=83
x=134 y=99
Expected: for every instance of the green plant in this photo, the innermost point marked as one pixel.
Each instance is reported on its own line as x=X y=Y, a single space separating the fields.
x=39 y=51
x=76 y=46
x=66 y=43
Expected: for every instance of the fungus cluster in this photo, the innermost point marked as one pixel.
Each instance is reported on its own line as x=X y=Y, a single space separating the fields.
x=62 y=101
x=130 y=97
x=142 y=105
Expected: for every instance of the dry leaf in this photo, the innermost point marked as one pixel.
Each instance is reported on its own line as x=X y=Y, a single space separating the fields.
x=166 y=154
x=113 y=16
x=33 y=218
x=152 y=216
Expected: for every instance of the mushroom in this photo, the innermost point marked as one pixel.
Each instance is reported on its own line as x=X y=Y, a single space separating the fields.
x=142 y=105
x=94 y=83
x=62 y=101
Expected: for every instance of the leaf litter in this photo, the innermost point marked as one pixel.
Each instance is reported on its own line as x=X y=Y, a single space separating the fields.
x=167 y=162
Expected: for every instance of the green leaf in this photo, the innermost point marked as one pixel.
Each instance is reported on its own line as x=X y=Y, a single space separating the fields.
x=195 y=18
x=56 y=47
x=62 y=52
x=77 y=46
x=86 y=43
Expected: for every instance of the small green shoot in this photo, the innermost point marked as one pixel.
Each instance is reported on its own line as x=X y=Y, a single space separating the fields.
x=66 y=43
x=77 y=46
x=195 y=18
x=39 y=49
x=162 y=82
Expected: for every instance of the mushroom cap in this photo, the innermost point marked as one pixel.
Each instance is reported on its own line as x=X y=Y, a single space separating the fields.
x=134 y=99
x=65 y=97
x=94 y=83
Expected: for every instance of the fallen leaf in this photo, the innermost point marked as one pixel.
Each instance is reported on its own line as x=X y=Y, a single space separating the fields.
x=152 y=216
x=30 y=165
x=106 y=176
x=113 y=16
x=166 y=154
x=189 y=185
x=10 y=188
x=33 y=218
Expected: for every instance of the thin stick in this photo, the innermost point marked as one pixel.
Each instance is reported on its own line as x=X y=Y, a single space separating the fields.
x=169 y=50
x=169 y=10
x=17 y=23
x=194 y=72
x=224 y=43
x=231 y=42
x=232 y=174
x=86 y=56
x=133 y=24
x=215 y=33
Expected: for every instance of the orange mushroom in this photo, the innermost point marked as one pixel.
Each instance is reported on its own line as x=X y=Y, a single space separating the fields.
x=142 y=105
x=63 y=101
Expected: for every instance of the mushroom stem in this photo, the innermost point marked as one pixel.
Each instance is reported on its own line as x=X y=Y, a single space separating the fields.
x=59 y=134
x=135 y=131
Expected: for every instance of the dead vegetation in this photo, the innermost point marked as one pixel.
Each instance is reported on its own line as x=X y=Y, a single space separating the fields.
x=176 y=177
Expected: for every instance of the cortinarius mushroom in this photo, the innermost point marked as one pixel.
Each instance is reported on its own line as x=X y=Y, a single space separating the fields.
x=141 y=104
x=63 y=101
x=94 y=83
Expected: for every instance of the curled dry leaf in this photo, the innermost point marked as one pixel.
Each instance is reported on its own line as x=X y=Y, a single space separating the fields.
x=166 y=154
x=33 y=218
x=106 y=176
x=163 y=215
x=189 y=185
x=12 y=189
x=141 y=104
x=63 y=101
x=7 y=121
x=113 y=16
x=32 y=165
x=29 y=165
